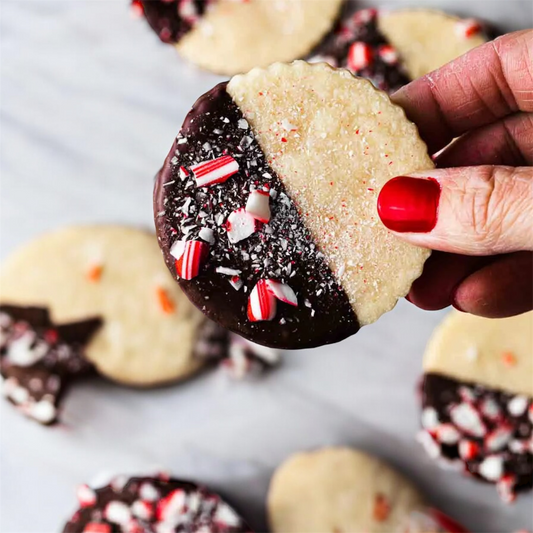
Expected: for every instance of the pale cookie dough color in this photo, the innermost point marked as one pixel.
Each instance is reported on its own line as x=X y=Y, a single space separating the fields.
x=391 y=48
x=428 y=39
x=148 y=331
x=271 y=189
x=339 y=490
x=233 y=36
x=477 y=398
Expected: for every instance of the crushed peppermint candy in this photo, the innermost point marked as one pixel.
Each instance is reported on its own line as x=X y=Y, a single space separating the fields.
x=492 y=433
x=255 y=228
x=39 y=358
x=168 y=505
x=214 y=171
x=358 y=44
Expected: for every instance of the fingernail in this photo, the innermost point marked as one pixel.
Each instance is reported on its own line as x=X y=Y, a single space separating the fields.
x=409 y=204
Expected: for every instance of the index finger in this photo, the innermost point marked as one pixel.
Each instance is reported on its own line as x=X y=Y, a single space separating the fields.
x=486 y=84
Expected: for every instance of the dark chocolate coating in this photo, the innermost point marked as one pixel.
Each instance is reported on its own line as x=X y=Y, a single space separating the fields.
x=203 y=518
x=440 y=393
x=384 y=76
x=62 y=345
x=285 y=253
x=165 y=19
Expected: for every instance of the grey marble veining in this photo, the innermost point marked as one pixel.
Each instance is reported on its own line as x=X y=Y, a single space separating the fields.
x=90 y=102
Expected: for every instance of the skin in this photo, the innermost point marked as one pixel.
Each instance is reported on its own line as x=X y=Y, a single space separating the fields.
x=483 y=238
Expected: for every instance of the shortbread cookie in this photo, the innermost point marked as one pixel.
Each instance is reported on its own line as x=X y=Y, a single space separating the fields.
x=342 y=489
x=233 y=36
x=477 y=399
x=149 y=329
x=393 y=47
x=38 y=359
x=265 y=207
x=152 y=505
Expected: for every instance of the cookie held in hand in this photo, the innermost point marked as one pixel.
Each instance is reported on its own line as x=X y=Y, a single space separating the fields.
x=265 y=207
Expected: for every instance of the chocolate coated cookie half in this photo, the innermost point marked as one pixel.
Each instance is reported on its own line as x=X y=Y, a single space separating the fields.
x=158 y=504
x=477 y=399
x=233 y=36
x=391 y=48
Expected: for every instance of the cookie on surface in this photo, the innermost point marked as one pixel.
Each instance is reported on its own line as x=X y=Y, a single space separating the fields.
x=345 y=490
x=158 y=504
x=477 y=399
x=148 y=330
x=265 y=207
x=39 y=360
x=394 y=47
x=233 y=36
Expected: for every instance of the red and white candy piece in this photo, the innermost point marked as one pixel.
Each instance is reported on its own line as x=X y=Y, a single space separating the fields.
x=214 y=171
x=240 y=225
x=258 y=205
x=117 y=513
x=171 y=505
x=467 y=28
x=388 y=54
x=467 y=419
x=491 y=468
x=505 y=488
x=97 y=527
x=364 y=16
x=261 y=303
x=189 y=263
x=282 y=292
x=447 y=434
x=359 y=56
x=468 y=449
x=142 y=509
x=187 y=11
x=86 y=496
x=498 y=439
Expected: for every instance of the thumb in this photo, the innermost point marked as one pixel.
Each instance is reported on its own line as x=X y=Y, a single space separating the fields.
x=481 y=210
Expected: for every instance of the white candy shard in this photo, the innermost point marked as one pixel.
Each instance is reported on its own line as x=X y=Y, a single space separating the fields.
x=258 y=205
x=491 y=468
x=177 y=249
x=207 y=235
x=517 y=406
x=466 y=418
x=117 y=513
x=240 y=225
x=282 y=292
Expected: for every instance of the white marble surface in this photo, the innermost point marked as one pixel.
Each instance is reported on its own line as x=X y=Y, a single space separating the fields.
x=90 y=102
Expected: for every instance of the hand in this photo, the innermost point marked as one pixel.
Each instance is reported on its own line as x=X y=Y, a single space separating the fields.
x=477 y=211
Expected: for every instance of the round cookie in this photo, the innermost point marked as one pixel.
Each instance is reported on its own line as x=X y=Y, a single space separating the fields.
x=393 y=47
x=152 y=505
x=265 y=207
x=477 y=399
x=149 y=330
x=233 y=36
x=345 y=490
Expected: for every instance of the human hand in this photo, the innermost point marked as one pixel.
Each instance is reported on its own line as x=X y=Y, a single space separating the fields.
x=476 y=209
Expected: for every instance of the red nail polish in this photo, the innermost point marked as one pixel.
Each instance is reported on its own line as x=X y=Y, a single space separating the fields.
x=409 y=204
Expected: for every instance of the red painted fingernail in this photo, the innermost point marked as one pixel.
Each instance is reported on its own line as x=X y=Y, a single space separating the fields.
x=409 y=204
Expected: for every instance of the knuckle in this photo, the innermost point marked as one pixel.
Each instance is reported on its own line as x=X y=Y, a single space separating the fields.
x=492 y=204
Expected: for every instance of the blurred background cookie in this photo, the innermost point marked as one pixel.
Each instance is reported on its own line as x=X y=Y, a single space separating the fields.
x=477 y=399
x=38 y=359
x=115 y=274
x=393 y=47
x=265 y=208
x=100 y=298
x=155 y=504
x=346 y=490
x=233 y=36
